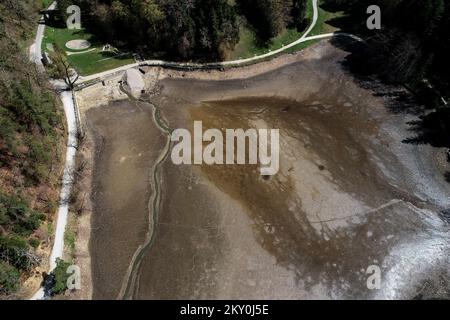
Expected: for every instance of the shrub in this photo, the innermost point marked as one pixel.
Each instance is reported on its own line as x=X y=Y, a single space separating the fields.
x=16 y=216
x=15 y=251
x=34 y=242
x=61 y=276
x=9 y=278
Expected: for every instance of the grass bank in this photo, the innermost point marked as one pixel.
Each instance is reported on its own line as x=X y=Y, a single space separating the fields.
x=86 y=62
x=248 y=45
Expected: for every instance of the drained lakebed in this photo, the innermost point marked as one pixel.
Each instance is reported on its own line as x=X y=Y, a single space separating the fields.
x=349 y=194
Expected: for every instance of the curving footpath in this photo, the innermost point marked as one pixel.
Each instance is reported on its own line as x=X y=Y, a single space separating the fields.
x=36 y=47
x=233 y=63
x=67 y=99
x=67 y=182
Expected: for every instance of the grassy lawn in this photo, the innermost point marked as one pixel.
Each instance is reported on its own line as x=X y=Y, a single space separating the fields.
x=46 y=3
x=93 y=60
x=98 y=61
x=322 y=26
x=87 y=62
x=249 y=47
x=61 y=36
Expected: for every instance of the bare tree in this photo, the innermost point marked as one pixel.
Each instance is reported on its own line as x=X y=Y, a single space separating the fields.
x=62 y=68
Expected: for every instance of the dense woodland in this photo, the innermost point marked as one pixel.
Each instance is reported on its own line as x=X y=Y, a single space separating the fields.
x=412 y=44
x=185 y=28
x=269 y=17
x=31 y=133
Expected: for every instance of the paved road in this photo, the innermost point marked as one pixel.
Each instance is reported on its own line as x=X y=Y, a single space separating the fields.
x=67 y=182
x=69 y=168
x=36 y=47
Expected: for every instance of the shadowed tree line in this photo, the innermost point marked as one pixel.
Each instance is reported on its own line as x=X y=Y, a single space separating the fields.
x=269 y=17
x=181 y=28
x=411 y=49
x=194 y=29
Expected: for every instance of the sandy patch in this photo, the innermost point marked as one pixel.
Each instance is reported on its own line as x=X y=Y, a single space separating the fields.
x=78 y=44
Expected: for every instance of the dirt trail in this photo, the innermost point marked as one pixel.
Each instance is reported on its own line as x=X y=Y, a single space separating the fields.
x=129 y=282
x=123 y=133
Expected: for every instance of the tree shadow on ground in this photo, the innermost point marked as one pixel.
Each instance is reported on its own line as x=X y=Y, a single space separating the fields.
x=432 y=126
x=433 y=129
x=397 y=98
x=353 y=18
x=54 y=19
x=116 y=55
x=445 y=214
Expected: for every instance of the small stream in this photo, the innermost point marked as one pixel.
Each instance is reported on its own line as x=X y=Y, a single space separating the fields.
x=129 y=283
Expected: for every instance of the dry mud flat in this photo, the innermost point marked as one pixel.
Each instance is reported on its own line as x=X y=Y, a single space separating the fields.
x=126 y=143
x=349 y=193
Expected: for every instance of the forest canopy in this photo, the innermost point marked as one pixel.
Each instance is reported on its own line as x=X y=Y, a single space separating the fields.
x=31 y=130
x=185 y=28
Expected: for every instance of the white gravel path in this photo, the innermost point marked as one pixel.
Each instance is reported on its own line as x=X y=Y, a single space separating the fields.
x=68 y=178
x=69 y=169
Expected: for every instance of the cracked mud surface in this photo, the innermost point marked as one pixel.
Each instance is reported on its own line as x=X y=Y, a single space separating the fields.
x=349 y=193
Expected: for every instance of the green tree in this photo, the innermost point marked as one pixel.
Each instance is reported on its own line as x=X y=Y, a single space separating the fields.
x=15 y=251
x=266 y=16
x=151 y=13
x=176 y=28
x=9 y=278
x=61 y=276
